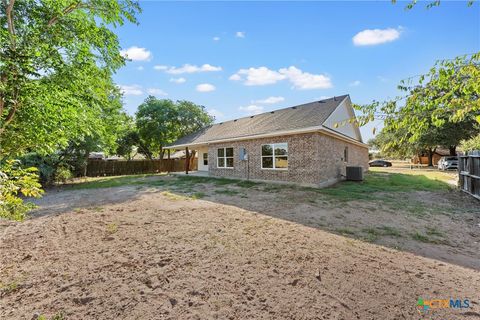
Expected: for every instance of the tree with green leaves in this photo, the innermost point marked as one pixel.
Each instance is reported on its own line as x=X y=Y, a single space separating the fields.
x=16 y=183
x=443 y=106
x=429 y=4
x=56 y=62
x=161 y=121
x=129 y=144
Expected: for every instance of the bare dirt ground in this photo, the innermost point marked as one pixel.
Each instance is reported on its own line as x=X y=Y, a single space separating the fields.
x=166 y=248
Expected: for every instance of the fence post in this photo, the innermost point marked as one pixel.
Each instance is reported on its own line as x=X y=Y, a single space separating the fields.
x=469 y=173
x=187 y=158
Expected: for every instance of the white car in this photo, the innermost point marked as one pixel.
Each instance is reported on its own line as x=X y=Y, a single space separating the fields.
x=447 y=163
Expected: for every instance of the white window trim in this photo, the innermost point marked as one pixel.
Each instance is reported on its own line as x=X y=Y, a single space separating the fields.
x=225 y=157
x=273 y=156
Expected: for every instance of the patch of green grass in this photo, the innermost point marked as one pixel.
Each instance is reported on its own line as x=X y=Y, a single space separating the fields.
x=376 y=183
x=432 y=231
x=58 y=316
x=389 y=231
x=112 y=228
x=227 y=192
x=371 y=234
x=196 y=180
x=110 y=182
x=389 y=188
x=248 y=184
x=198 y=195
x=173 y=196
x=345 y=231
x=428 y=238
x=274 y=187
x=8 y=288
x=420 y=237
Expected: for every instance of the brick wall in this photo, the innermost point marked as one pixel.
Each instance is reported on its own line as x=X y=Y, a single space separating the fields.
x=313 y=158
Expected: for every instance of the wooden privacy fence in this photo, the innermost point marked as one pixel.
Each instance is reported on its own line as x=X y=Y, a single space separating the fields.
x=469 y=173
x=100 y=168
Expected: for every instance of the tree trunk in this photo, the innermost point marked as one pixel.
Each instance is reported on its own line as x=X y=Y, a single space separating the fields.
x=162 y=153
x=453 y=150
x=430 y=157
x=192 y=158
x=85 y=162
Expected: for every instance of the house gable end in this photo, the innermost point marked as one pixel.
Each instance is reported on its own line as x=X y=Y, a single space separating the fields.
x=339 y=120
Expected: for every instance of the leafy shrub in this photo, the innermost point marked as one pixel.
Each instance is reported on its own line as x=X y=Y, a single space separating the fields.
x=472 y=144
x=62 y=174
x=16 y=183
x=52 y=168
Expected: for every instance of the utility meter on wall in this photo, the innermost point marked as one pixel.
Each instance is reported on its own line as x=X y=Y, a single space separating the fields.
x=242 y=154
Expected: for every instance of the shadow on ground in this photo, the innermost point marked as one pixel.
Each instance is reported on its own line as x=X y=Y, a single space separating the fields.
x=407 y=212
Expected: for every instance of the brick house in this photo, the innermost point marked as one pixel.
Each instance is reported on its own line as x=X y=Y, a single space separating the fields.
x=308 y=144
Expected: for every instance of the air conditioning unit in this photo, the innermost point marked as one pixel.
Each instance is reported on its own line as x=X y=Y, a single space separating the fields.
x=354 y=173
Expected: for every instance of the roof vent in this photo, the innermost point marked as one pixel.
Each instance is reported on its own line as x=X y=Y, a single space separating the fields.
x=251 y=117
x=221 y=123
x=235 y=120
x=321 y=101
x=294 y=107
x=334 y=98
x=272 y=112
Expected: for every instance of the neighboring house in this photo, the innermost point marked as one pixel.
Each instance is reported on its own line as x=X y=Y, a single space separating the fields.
x=310 y=144
x=422 y=158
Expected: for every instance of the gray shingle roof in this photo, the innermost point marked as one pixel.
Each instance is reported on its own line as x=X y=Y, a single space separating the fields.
x=298 y=117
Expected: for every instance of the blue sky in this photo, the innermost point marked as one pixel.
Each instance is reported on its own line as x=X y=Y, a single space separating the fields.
x=239 y=58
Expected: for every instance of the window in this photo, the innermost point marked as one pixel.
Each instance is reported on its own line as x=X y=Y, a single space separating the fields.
x=345 y=154
x=275 y=156
x=205 y=159
x=225 y=158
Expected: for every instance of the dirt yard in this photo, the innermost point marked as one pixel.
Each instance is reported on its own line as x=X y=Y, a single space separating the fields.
x=172 y=247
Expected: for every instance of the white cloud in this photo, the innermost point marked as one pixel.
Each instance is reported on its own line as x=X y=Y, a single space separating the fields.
x=240 y=34
x=131 y=90
x=304 y=80
x=178 y=80
x=140 y=68
x=156 y=92
x=205 y=87
x=270 y=100
x=160 y=67
x=136 y=54
x=257 y=76
x=235 y=77
x=382 y=79
x=216 y=113
x=252 y=109
x=371 y=37
x=188 y=68
x=216 y=38
x=355 y=83
x=300 y=80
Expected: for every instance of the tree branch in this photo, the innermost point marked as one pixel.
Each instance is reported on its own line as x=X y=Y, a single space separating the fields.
x=11 y=27
x=65 y=11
